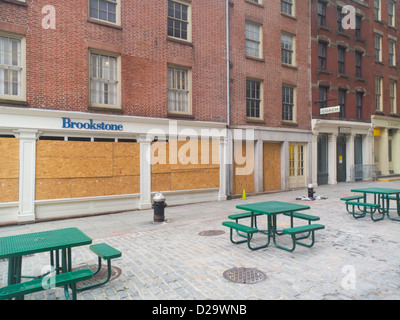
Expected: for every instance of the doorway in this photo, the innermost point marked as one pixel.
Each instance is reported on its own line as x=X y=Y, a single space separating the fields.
x=272 y=166
x=341 y=158
x=297 y=169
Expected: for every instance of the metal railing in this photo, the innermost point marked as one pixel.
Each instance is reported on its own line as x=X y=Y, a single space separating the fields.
x=363 y=172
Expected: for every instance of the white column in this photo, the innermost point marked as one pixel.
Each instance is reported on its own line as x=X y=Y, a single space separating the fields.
x=349 y=155
x=27 y=174
x=314 y=160
x=368 y=150
x=285 y=165
x=332 y=155
x=384 y=152
x=258 y=166
x=222 y=169
x=145 y=172
x=396 y=151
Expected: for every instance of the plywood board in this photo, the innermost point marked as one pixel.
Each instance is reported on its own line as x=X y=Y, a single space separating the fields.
x=243 y=168
x=71 y=159
x=8 y=190
x=161 y=182
x=9 y=159
x=272 y=166
x=58 y=168
x=95 y=187
x=52 y=189
x=73 y=149
x=186 y=180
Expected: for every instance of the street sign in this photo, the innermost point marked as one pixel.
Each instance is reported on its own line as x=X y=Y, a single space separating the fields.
x=328 y=110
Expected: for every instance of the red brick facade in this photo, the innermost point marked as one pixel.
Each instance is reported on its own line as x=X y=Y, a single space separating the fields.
x=58 y=60
x=332 y=79
x=269 y=68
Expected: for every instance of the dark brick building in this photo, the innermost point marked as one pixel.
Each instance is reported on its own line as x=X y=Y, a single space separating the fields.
x=355 y=69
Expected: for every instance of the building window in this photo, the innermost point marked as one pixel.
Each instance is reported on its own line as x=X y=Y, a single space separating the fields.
x=104 y=85
x=393 y=97
x=12 y=67
x=322 y=96
x=288 y=103
x=392 y=53
x=321 y=13
x=287 y=7
x=105 y=10
x=179 y=84
x=359 y=101
x=341 y=59
x=342 y=103
x=358 y=27
x=378 y=46
x=253 y=39
x=391 y=13
x=358 y=64
x=253 y=99
x=287 y=49
x=257 y=1
x=378 y=94
x=179 y=20
x=377 y=10
x=339 y=19
x=322 y=55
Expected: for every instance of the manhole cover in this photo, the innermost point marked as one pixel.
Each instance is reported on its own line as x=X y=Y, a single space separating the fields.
x=244 y=275
x=210 y=233
x=101 y=276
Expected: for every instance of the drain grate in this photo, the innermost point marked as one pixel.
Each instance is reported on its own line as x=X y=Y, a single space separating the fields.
x=210 y=233
x=244 y=275
x=102 y=275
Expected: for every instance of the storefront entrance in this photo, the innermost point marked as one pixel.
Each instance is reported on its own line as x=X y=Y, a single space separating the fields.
x=341 y=158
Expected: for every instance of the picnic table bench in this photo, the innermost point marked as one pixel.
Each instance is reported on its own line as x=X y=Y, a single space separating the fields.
x=36 y=285
x=272 y=209
x=380 y=205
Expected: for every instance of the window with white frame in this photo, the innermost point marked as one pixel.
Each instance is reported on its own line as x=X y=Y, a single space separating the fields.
x=377 y=10
x=393 y=96
x=391 y=13
x=178 y=21
x=392 y=53
x=12 y=67
x=287 y=6
x=105 y=10
x=253 y=98
x=179 y=84
x=378 y=48
x=288 y=103
x=287 y=49
x=253 y=39
x=104 y=84
x=378 y=93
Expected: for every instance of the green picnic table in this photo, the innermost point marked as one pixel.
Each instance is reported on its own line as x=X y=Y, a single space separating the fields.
x=380 y=205
x=14 y=248
x=272 y=209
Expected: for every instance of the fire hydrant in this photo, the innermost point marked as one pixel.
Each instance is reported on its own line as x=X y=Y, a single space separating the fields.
x=311 y=192
x=159 y=207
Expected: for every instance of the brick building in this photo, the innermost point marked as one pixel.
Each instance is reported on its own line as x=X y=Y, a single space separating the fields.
x=86 y=90
x=270 y=91
x=355 y=69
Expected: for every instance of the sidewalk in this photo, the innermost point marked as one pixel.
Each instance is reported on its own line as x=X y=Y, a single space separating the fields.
x=351 y=259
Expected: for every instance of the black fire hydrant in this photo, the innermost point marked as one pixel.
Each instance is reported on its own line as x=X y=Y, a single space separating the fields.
x=159 y=207
x=311 y=192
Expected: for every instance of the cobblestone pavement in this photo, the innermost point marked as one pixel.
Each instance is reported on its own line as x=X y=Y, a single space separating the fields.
x=351 y=259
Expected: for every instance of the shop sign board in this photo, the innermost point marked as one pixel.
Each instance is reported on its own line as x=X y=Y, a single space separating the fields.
x=328 y=110
x=90 y=124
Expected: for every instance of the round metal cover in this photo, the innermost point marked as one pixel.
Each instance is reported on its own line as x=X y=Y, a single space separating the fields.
x=244 y=275
x=102 y=275
x=210 y=233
